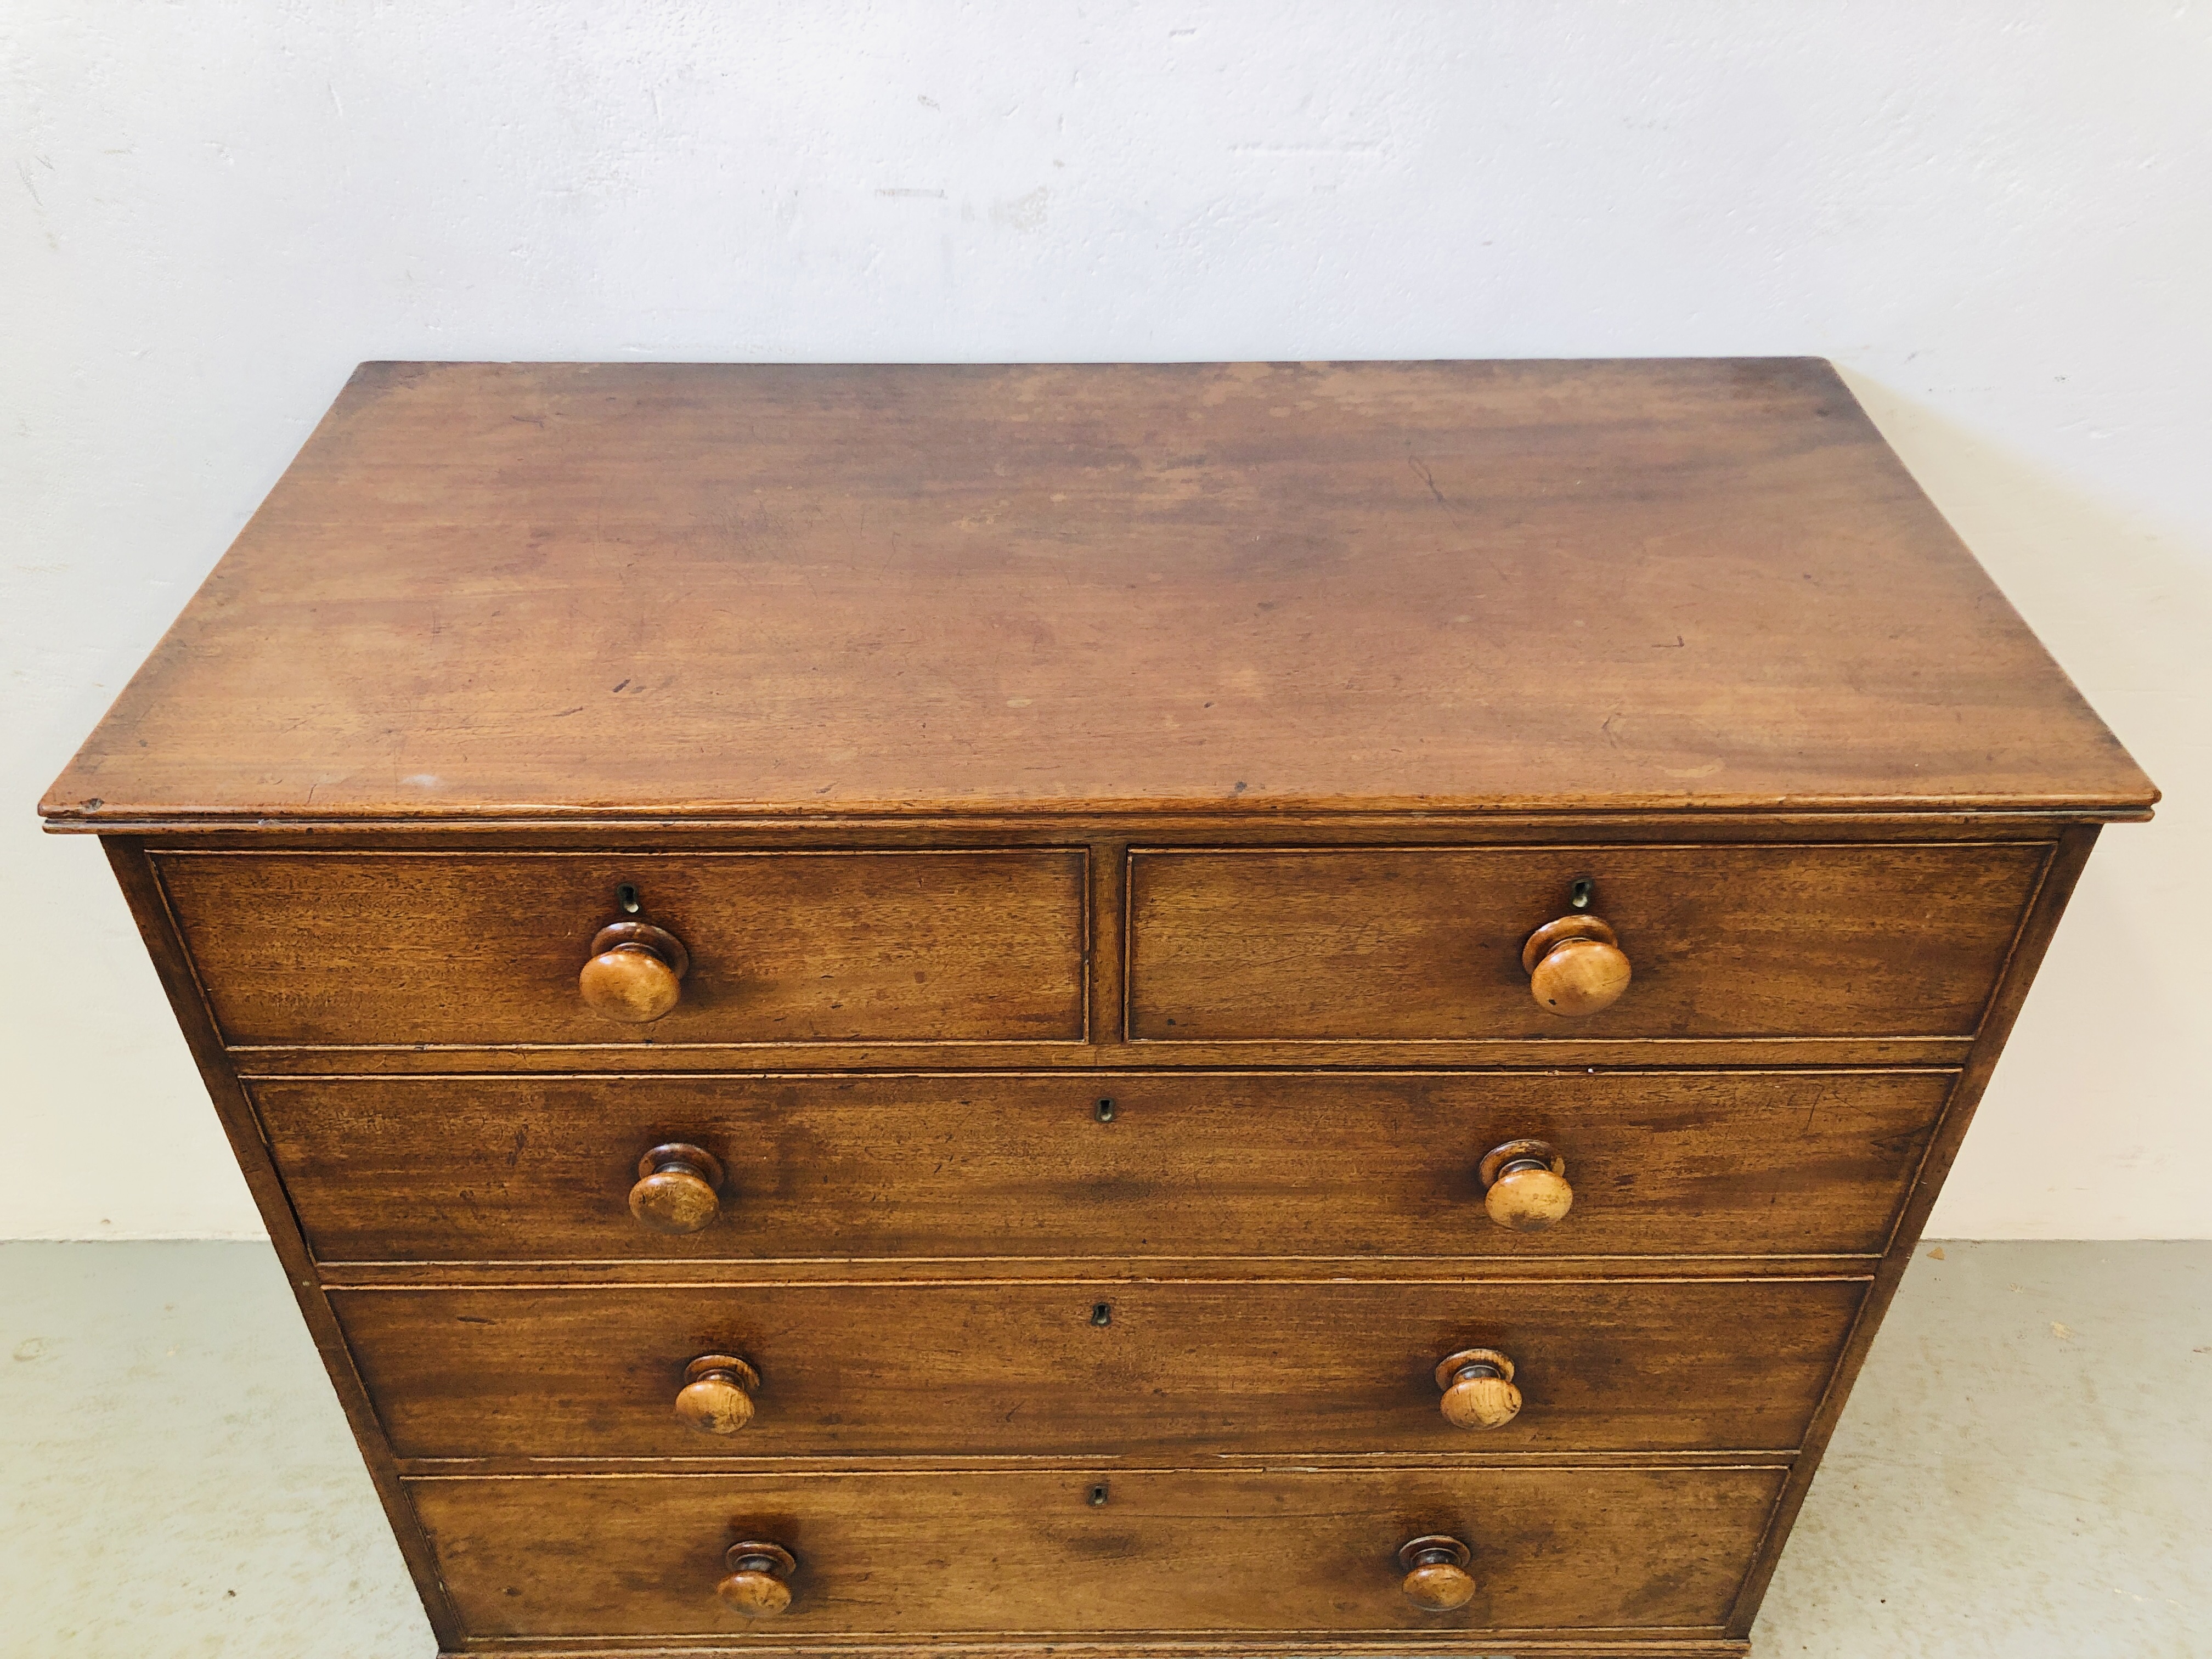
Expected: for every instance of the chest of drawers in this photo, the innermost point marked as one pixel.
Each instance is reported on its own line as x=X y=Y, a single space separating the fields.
x=1142 y=1010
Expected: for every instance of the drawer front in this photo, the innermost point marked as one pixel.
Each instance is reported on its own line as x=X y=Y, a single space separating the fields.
x=1007 y=1554
x=993 y=1369
x=1425 y=945
x=784 y=947
x=1191 y=1164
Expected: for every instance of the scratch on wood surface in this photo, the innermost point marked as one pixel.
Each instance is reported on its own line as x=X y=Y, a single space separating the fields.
x=1428 y=479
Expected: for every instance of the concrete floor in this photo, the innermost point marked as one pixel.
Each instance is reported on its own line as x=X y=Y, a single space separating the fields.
x=2025 y=1468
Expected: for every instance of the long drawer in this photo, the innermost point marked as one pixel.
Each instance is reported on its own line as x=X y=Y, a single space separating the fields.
x=1022 y=1165
x=394 y=948
x=1098 y=1552
x=1089 y=1370
x=1425 y=944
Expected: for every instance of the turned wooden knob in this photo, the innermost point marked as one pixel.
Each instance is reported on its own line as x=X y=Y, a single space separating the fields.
x=755 y=1585
x=1524 y=1185
x=675 y=1191
x=635 y=973
x=717 y=1395
x=1436 y=1578
x=1575 y=966
x=1478 y=1391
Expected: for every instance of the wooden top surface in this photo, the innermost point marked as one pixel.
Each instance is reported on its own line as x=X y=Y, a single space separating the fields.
x=545 y=591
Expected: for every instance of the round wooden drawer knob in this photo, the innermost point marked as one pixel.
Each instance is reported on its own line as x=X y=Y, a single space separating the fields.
x=717 y=1396
x=1524 y=1185
x=755 y=1585
x=1575 y=966
x=1478 y=1391
x=676 y=1189
x=635 y=974
x=1436 y=1578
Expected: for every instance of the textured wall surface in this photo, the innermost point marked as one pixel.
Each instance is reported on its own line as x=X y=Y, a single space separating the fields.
x=1996 y=218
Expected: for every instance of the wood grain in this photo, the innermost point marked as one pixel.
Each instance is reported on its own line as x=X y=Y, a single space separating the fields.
x=1477 y=1388
x=678 y=1190
x=142 y=891
x=758 y=1584
x=1232 y=1163
x=654 y=591
x=717 y=1395
x=1106 y=1056
x=869 y=680
x=1525 y=1187
x=1182 y=1370
x=1575 y=966
x=784 y=947
x=1426 y=944
x=1436 y=1579
x=1030 y=1553
x=2026 y=956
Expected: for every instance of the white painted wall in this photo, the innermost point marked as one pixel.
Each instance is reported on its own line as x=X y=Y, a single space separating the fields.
x=1995 y=216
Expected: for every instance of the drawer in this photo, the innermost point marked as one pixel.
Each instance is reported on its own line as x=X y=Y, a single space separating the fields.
x=1109 y=1367
x=1340 y=1165
x=1032 y=1554
x=1425 y=944
x=783 y=947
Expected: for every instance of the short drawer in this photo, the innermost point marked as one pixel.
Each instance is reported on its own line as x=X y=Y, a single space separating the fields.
x=1425 y=944
x=783 y=947
x=1110 y=1367
x=1102 y=1551
x=1089 y=1164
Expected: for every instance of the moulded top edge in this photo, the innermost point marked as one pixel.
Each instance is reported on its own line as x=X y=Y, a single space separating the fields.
x=121 y=819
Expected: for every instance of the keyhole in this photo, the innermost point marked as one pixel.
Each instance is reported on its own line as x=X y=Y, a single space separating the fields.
x=1097 y=1494
x=1102 y=1313
x=626 y=898
x=1578 y=895
x=1105 y=1111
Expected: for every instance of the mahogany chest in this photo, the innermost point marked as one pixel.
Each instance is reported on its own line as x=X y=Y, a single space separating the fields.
x=1151 y=1010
